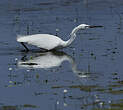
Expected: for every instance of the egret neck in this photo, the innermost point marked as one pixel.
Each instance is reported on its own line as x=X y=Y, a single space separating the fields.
x=72 y=36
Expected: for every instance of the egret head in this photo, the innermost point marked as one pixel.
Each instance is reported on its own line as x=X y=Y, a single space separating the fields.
x=85 y=26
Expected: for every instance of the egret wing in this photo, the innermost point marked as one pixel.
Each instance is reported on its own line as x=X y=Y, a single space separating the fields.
x=45 y=41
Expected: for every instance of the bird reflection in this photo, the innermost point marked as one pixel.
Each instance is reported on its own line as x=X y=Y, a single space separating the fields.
x=47 y=60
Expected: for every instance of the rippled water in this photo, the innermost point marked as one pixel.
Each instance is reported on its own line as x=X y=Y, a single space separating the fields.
x=85 y=76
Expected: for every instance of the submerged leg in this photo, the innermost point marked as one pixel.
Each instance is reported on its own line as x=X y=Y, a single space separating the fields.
x=43 y=50
x=24 y=46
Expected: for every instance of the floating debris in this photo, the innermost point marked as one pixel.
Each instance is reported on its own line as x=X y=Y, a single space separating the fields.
x=65 y=104
x=10 y=69
x=10 y=81
x=16 y=59
x=65 y=91
x=29 y=106
x=92 y=54
x=109 y=101
x=57 y=102
x=57 y=30
x=37 y=76
x=75 y=20
x=28 y=70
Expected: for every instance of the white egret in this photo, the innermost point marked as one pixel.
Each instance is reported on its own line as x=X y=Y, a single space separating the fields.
x=49 y=42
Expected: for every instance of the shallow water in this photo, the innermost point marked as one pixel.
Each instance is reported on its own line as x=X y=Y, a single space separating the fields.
x=85 y=76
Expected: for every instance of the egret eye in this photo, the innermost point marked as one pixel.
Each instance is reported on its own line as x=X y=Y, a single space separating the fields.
x=86 y=26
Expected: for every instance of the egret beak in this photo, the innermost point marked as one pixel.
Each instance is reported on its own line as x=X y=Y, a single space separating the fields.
x=95 y=26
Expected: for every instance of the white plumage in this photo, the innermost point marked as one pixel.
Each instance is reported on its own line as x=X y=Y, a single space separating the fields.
x=45 y=41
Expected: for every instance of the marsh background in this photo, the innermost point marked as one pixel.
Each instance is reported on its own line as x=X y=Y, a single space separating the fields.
x=96 y=53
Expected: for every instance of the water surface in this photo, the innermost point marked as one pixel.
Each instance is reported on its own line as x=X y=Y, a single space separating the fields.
x=85 y=76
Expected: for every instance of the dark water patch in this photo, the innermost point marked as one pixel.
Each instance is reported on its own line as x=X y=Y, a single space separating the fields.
x=40 y=93
x=33 y=9
x=63 y=3
x=45 y=6
x=3 y=43
x=115 y=92
x=108 y=109
x=120 y=82
x=9 y=107
x=47 y=3
x=101 y=89
x=84 y=88
x=115 y=86
x=29 y=106
x=27 y=9
x=117 y=105
x=93 y=38
x=68 y=3
x=6 y=51
x=18 y=107
x=81 y=87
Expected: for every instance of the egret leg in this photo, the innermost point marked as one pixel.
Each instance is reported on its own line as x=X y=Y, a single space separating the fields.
x=25 y=46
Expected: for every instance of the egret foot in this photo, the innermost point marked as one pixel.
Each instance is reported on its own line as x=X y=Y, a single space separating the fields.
x=25 y=46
